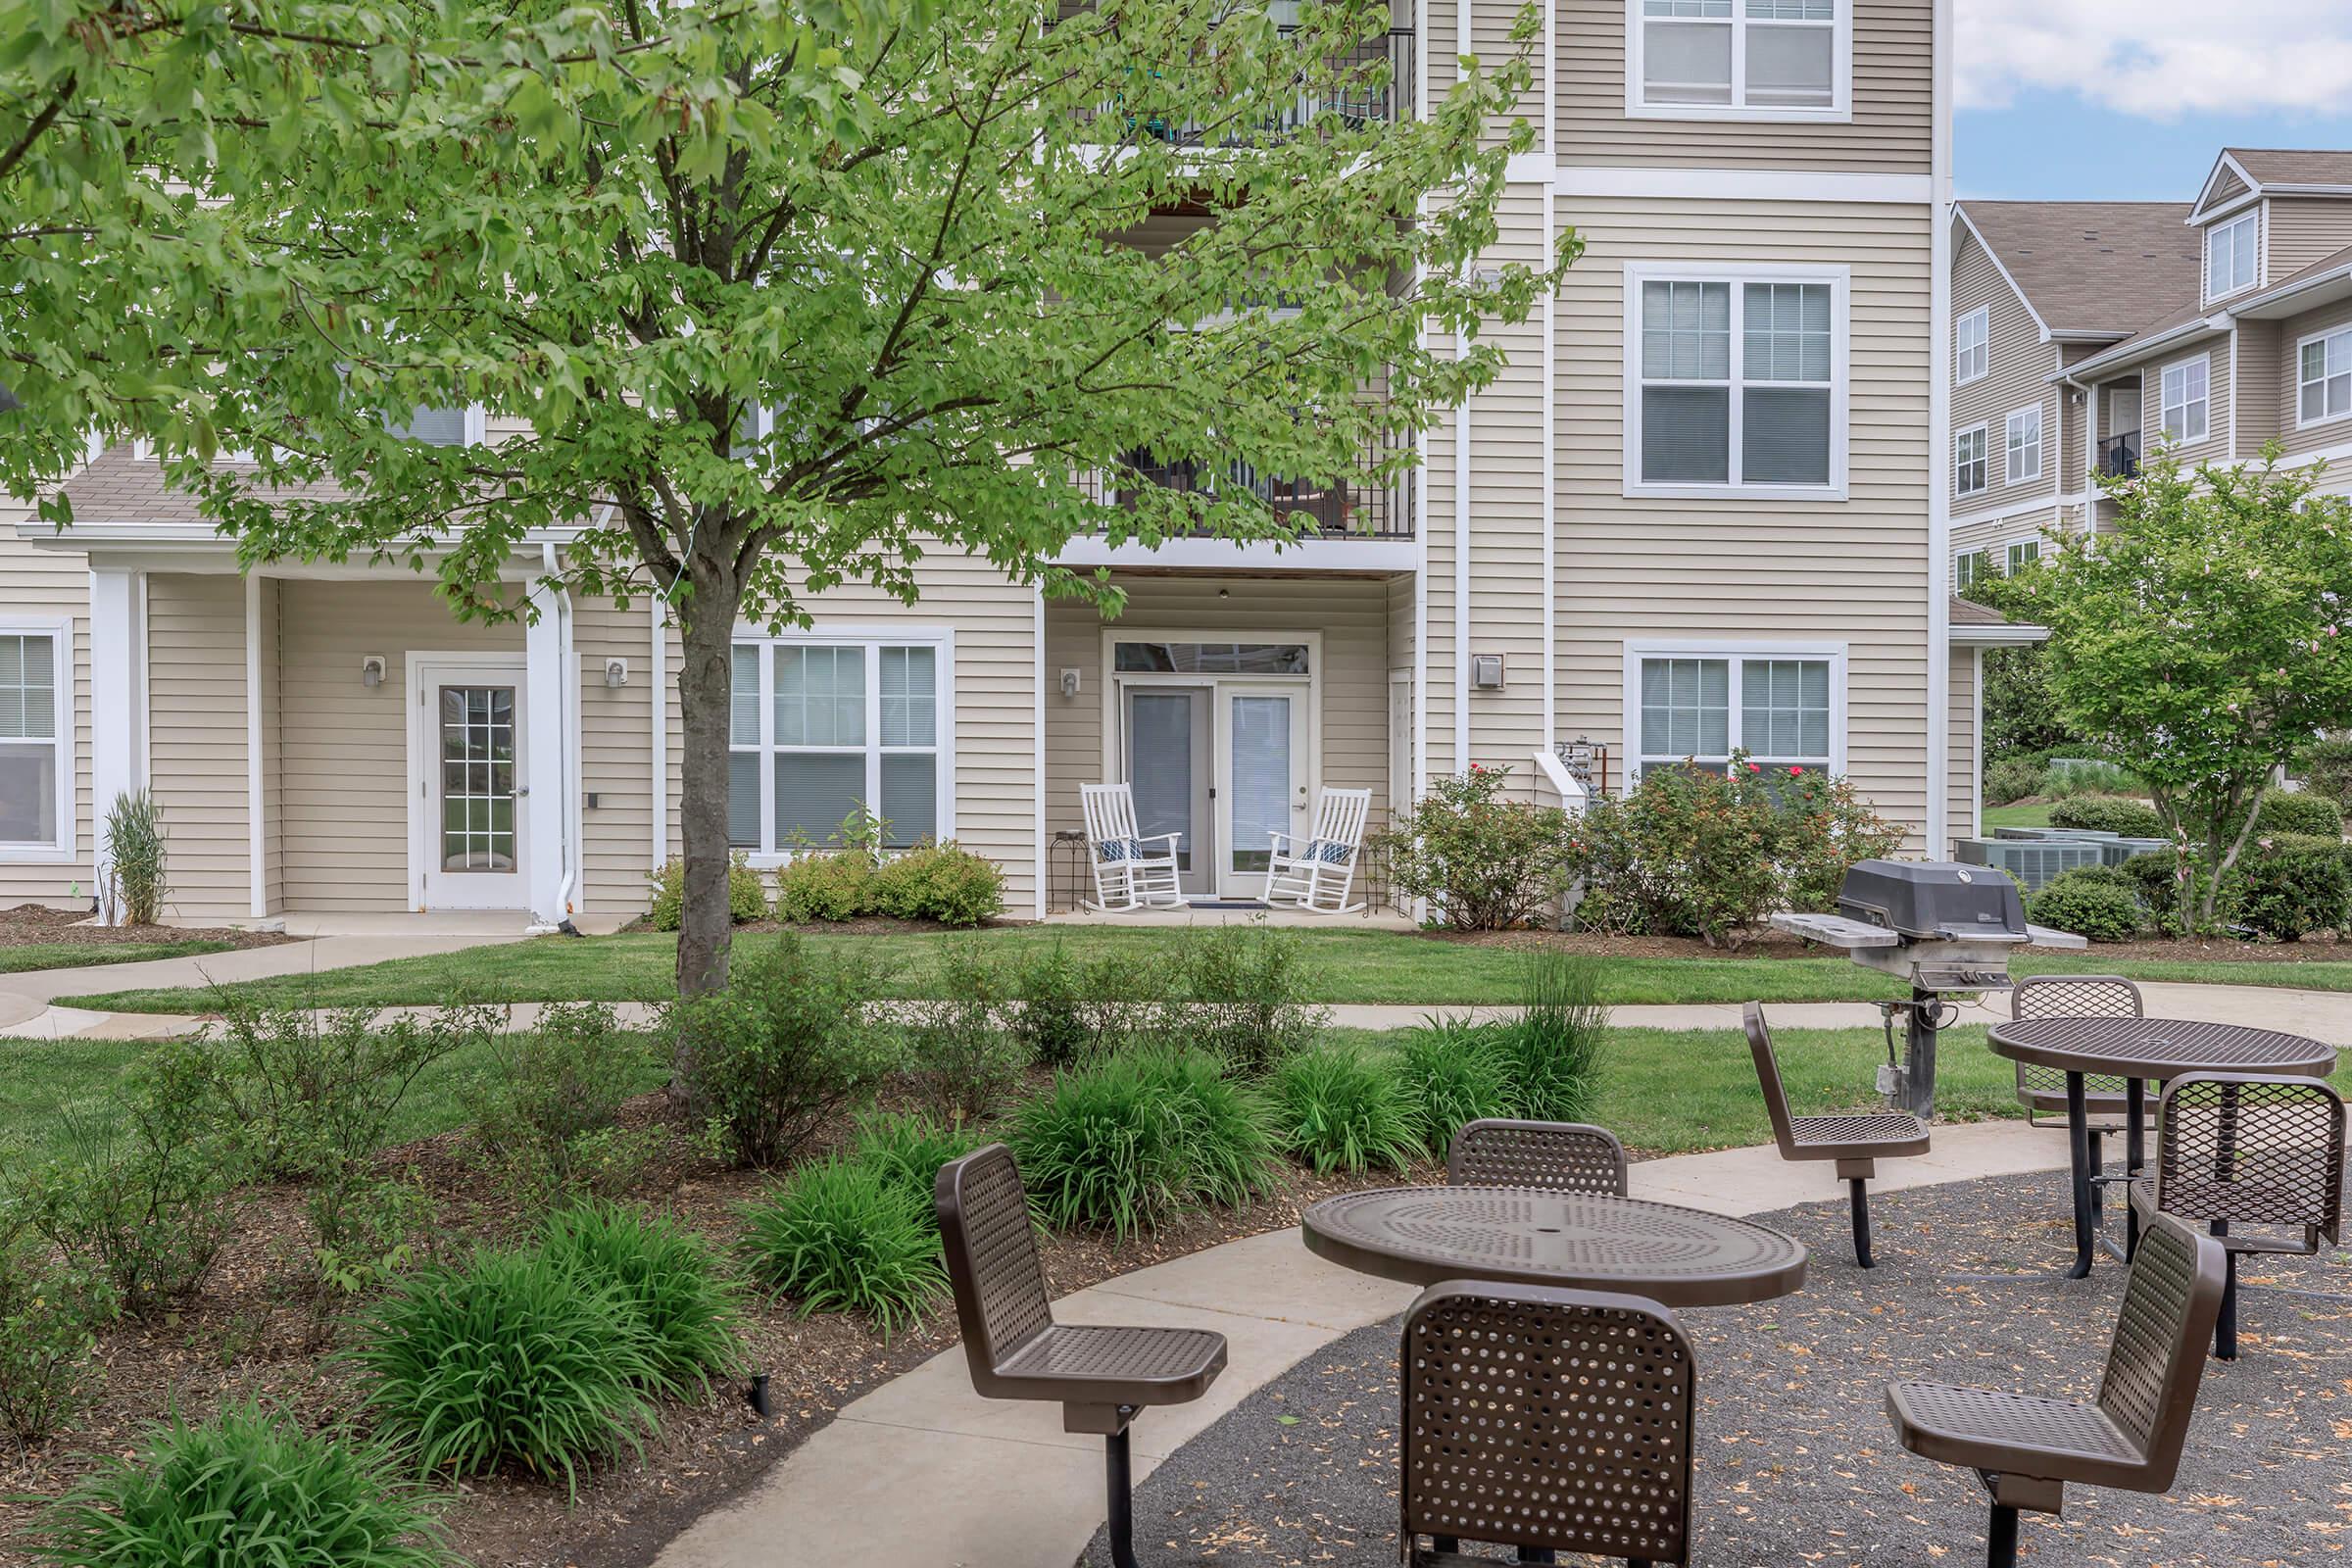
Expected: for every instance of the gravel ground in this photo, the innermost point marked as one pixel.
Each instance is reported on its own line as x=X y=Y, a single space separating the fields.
x=1796 y=1463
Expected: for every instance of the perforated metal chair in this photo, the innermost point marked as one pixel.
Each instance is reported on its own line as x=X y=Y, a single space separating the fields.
x=1856 y=1142
x=2042 y=1090
x=1102 y=1377
x=2026 y=1449
x=1546 y=1419
x=2240 y=1148
x=1567 y=1156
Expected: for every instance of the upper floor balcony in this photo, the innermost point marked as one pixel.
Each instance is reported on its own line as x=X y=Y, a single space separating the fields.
x=2119 y=455
x=1371 y=84
x=1357 y=506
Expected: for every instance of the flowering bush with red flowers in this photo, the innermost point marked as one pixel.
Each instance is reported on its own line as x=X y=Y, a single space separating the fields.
x=1484 y=861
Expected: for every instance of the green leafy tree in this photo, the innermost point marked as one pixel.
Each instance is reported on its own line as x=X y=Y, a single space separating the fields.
x=774 y=296
x=2203 y=641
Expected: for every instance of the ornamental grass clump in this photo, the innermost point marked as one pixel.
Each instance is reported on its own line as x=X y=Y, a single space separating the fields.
x=1123 y=1145
x=676 y=1291
x=1455 y=1070
x=1346 y=1109
x=511 y=1356
x=843 y=1236
x=1554 y=1046
x=246 y=1487
x=909 y=1150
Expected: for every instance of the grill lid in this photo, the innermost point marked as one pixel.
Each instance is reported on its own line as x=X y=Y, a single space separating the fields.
x=1930 y=899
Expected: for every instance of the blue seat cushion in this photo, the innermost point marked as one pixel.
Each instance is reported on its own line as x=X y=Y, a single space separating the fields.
x=1119 y=850
x=1331 y=853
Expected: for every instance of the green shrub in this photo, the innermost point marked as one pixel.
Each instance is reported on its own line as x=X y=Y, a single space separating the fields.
x=546 y=1103
x=1820 y=825
x=2299 y=811
x=909 y=1150
x=960 y=1057
x=1456 y=1071
x=1553 y=1048
x=1121 y=1145
x=1344 y=1108
x=1050 y=1021
x=781 y=1052
x=134 y=851
x=814 y=887
x=511 y=1354
x=941 y=882
x=681 y=1302
x=2326 y=769
x=1244 y=989
x=844 y=1237
x=666 y=892
x=1485 y=862
x=2105 y=908
x=248 y=1486
x=2109 y=813
x=49 y=1317
x=2012 y=778
x=2071 y=778
x=1075 y=1012
x=2288 y=886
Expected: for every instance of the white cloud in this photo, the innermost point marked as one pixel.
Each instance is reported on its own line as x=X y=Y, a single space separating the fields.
x=2159 y=58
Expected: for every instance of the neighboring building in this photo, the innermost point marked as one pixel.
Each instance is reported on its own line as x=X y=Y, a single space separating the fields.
x=1703 y=510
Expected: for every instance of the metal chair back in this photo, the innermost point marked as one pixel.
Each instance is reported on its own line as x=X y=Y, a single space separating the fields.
x=1547 y=1418
x=1559 y=1156
x=2073 y=996
x=2157 y=1355
x=2252 y=1150
x=1768 y=1078
x=1000 y=1286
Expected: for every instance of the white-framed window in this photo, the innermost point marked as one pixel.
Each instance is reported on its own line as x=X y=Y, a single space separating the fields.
x=1969 y=567
x=2022 y=554
x=825 y=725
x=2324 y=377
x=1736 y=381
x=1970 y=337
x=36 y=740
x=2232 y=255
x=459 y=426
x=2021 y=447
x=1699 y=702
x=1740 y=59
x=1972 y=463
x=2184 y=399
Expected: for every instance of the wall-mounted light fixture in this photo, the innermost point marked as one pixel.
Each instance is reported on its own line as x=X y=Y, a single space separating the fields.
x=1069 y=683
x=616 y=673
x=1485 y=671
x=371 y=670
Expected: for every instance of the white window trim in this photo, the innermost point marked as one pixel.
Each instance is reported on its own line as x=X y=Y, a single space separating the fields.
x=1982 y=315
x=2010 y=475
x=68 y=827
x=1982 y=430
x=1959 y=555
x=2343 y=330
x=2252 y=222
x=2012 y=545
x=2163 y=371
x=1841 y=283
x=869 y=637
x=1735 y=649
x=1838 y=111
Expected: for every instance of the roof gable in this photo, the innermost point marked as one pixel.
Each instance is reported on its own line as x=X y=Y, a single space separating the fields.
x=2097 y=269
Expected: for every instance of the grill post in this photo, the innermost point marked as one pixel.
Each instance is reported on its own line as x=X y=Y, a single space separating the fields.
x=1915 y=1089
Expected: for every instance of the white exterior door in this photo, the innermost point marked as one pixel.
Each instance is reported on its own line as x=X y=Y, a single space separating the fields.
x=1266 y=777
x=469 y=843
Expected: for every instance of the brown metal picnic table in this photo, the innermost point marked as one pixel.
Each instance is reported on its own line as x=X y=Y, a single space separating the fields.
x=2141 y=1050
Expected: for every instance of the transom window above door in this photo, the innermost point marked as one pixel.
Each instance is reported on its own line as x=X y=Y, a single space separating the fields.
x=1210 y=658
x=823 y=729
x=1740 y=59
x=1699 y=709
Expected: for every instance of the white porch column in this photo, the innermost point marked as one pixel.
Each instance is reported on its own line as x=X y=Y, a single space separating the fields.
x=548 y=727
x=117 y=709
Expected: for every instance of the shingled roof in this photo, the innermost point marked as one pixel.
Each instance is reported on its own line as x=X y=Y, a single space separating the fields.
x=2291 y=165
x=119 y=486
x=2093 y=266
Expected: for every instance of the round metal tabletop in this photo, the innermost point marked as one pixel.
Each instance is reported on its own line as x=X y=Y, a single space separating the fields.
x=2157 y=1047
x=1523 y=1236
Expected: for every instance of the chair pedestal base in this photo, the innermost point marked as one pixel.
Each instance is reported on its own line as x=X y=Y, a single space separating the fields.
x=1857 y=1174
x=1118 y=1475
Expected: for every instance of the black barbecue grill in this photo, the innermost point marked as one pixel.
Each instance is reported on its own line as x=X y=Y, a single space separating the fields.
x=1947 y=929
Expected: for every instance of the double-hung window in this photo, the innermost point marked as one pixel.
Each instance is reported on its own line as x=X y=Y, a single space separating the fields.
x=440 y=427
x=2024 y=553
x=1782 y=708
x=2021 y=449
x=824 y=729
x=2232 y=250
x=1740 y=59
x=1970 y=337
x=2186 y=399
x=36 y=763
x=2324 y=377
x=1972 y=466
x=1735 y=383
x=1969 y=567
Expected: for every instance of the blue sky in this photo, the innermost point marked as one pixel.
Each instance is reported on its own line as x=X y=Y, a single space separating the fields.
x=2130 y=99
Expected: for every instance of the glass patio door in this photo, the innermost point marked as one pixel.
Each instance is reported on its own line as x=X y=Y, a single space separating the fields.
x=1167 y=751
x=466 y=751
x=1263 y=784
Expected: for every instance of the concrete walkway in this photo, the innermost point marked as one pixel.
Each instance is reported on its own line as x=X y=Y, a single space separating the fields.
x=921 y=1470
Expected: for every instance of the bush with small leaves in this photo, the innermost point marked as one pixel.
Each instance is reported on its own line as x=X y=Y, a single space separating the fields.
x=2011 y=779
x=2326 y=769
x=2110 y=813
x=669 y=1280
x=844 y=1237
x=545 y=1105
x=1244 y=991
x=666 y=892
x=50 y=1312
x=2299 y=811
x=2289 y=885
x=942 y=882
x=248 y=1486
x=1455 y=1070
x=1346 y=1109
x=1484 y=861
x=2103 y=908
x=1075 y=1011
x=510 y=1355
x=960 y=1055
x=817 y=887
x=1125 y=1143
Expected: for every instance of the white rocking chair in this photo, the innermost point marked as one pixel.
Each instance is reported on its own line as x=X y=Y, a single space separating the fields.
x=1128 y=873
x=1316 y=875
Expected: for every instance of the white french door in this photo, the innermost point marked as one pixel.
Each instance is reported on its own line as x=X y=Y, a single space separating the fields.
x=469 y=838
x=1264 y=777
x=1167 y=748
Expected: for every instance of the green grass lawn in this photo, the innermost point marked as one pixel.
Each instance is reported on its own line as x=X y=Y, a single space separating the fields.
x=1342 y=966
x=2036 y=814
x=83 y=955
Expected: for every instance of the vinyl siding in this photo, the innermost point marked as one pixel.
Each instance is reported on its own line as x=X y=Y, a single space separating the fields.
x=2302 y=232
x=2255 y=396
x=1748 y=569
x=1963 y=771
x=2074 y=429
x=616 y=753
x=2017 y=365
x=2330 y=432
x=45 y=584
x=196 y=740
x=1892 y=132
x=1998 y=533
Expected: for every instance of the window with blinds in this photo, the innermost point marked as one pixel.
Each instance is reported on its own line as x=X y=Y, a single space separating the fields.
x=1699 y=710
x=32 y=757
x=1763 y=58
x=823 y=732
x=1738 y=383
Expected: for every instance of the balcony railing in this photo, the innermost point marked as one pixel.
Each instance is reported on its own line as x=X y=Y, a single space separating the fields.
x=1360 y=505
x=2119 y=455
x=1354 y=92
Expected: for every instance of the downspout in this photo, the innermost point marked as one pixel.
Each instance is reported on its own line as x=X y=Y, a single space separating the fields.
x=560 y=603
x=658 y=671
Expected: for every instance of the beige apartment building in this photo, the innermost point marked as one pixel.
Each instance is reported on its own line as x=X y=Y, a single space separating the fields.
x=1702 y=512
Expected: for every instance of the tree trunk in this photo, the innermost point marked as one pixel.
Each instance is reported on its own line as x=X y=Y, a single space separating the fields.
x=706 y=678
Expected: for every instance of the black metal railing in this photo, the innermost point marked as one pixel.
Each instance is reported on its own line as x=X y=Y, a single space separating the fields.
x=1371 y=84
x=1357 y=506
x=2119 y=455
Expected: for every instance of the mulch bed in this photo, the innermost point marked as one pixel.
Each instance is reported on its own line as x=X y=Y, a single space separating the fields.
x=1796 y=1463
x=35 y=924
x=1781 y=944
